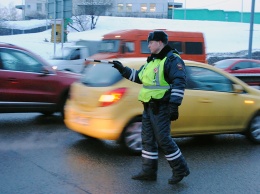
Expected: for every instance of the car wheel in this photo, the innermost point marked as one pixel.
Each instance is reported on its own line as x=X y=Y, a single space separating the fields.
x=62 y=104
x=254 y=129
x=132 y=136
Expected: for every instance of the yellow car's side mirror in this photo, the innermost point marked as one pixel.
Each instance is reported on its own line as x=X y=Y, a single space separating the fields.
x=238 y=88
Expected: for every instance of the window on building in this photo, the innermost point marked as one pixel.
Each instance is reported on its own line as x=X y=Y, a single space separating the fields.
x=129 y=7
x=28 y=6
x=120 y=7
x=143 y=7
x=39 y=7
x=152 y=7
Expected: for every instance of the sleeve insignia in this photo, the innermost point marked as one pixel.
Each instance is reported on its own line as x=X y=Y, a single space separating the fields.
x=179 y=66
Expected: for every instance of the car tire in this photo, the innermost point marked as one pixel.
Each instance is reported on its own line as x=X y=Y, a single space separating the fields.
x=63 y=104
x=253 y=131
x=132 y=136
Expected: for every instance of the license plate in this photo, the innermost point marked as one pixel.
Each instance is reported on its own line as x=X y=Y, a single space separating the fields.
x=81 y=120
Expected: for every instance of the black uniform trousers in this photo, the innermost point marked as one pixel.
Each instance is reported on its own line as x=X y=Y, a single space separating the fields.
x=156 y=126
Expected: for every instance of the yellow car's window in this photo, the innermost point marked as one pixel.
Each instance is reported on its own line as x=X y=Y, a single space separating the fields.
x=205 y=79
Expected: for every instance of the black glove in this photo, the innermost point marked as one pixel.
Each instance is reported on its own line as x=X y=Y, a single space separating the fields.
x=118 y=65
x=174 y=113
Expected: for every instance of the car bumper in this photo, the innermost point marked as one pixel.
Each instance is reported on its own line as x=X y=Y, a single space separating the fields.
x=93 y=126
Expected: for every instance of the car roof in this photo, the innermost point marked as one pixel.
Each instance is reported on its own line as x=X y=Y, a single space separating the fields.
x=240 y=59
x=12 y=46
x=138 y=61
x=9 y=45
x=142 y=60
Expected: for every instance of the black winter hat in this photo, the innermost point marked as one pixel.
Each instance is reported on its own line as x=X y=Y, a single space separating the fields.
x=158 y=36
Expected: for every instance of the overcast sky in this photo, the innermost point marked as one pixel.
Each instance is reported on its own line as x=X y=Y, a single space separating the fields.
x=231 y=5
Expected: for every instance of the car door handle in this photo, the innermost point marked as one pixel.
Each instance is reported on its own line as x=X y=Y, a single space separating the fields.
x=205 y=100
x=12 y=80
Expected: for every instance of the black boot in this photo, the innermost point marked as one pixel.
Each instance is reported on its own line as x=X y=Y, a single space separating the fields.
x=145 y=176
x=177 y=178
x=179 y=170
x=149 y=170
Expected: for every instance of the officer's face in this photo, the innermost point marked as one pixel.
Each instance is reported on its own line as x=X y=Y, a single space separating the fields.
x=155 y=46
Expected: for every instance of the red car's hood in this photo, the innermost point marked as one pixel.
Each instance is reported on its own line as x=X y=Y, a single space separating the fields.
x=68 y=74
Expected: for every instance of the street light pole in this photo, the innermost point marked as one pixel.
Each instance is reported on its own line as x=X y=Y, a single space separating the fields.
x=23 y=9
x=172 y=9
x=185 y=10
x=251 y=29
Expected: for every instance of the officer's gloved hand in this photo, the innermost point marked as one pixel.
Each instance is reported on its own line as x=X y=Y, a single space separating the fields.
x=174 y=112
x=118 y=65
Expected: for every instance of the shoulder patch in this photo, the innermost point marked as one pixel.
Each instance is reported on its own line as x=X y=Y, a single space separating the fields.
x=179 y=66
x=171 y=57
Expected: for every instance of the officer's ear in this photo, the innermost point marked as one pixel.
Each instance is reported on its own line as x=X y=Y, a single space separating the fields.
x=160 y=43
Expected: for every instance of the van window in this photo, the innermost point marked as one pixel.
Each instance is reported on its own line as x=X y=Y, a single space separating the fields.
x=194 y=48
x=176 y=45
x=144 y=47
x=130 y=47
x=75 y=55
x=109 y=46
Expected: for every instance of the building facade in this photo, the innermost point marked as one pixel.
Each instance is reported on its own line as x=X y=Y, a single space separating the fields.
x=33 y=9
x=144 y=8
x=122 y=8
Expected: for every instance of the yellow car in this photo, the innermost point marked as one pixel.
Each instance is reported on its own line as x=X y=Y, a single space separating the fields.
x=104 y=105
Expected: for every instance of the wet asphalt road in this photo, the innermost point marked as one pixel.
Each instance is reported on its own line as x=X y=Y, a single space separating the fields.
x=39 y=155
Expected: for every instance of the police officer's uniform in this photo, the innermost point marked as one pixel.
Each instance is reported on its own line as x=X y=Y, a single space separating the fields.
x=164 y=80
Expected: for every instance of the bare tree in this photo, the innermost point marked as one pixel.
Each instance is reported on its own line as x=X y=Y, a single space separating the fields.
x=93 y=9
x=9 y=13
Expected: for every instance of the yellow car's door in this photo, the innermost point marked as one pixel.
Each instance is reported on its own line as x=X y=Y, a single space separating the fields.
x=208 y=105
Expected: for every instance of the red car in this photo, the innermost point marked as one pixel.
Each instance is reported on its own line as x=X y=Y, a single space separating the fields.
x=29 y=84
x=247 y=70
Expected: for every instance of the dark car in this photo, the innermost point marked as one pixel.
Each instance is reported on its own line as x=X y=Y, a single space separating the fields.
x=29 y=84
x=247 y=70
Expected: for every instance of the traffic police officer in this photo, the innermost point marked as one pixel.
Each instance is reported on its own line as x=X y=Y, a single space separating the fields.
x=164 y=80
